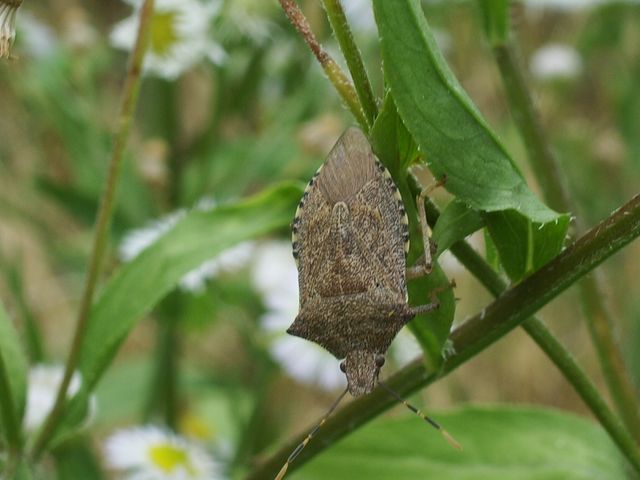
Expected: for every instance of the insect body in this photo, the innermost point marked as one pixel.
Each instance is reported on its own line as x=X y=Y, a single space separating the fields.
x=350 y=238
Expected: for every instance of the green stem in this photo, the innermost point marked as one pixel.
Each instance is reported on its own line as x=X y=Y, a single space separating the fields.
x=585 y=388
x=210 y=139
x=548 y=173
x=162 y=394
x=252 y=432
x=103 y=221
x=31 y=329
x=166 y=374
x=167 y=369
x=512 y=308
x=602 y=331
x=336 y=76
x=341 y=29
x=9 y=416
x=561 y=358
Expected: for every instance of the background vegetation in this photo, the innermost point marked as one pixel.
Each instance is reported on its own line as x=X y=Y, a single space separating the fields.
x=230 y=143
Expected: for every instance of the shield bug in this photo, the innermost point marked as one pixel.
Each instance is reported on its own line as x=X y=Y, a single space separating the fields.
x=350 y=237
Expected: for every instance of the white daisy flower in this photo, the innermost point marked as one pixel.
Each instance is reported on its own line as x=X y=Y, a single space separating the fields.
x=150 y=453
x=8 y=11
x=229 y=260
x=556 y=61
x=136 y=241
x=275 y=277
x=43 y=384
x=179 y=36
x=307 y=362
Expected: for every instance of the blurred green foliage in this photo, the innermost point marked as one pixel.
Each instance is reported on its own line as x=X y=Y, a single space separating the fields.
x=262 y=121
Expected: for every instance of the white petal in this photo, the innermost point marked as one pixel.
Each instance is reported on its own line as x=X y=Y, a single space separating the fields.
x=307 y=363
x=139 y=239
x=191 y=26
x=43 y=384
x=274 y=269
x=405 y=348
x=128 y=450
x=123 y=34
x=556 y=61
x=216 y=53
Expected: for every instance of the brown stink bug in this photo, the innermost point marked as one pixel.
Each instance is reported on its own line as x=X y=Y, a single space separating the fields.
x=350 y=239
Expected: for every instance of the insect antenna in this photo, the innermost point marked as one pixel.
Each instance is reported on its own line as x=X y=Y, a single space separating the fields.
x=447 y=436
x=308 y=438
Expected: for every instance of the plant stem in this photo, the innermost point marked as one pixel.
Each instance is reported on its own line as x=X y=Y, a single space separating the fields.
x=534 y=327
x=548 y=173
x=9 y=416
x=341 y=29
x=336 y=76
x=167 y=371
x=556 y=352
x=512 y=308
x=31 y=330
x=103 y=221
x=602 y=330
x=584 y=387
x=164 y=394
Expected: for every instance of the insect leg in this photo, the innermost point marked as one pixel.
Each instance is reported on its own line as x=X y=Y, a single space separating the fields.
x=424 y=264
x=435 y=303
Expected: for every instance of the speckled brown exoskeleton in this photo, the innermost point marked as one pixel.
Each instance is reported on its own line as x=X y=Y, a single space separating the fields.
x=350 y=239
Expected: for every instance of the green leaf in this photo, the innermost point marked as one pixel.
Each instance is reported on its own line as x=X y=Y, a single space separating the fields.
x=76 y=460
x=455 y=223
x=499 y=443
x=13 y=379
x=442 y=118
x=514 y=234
x=451 y=133
x=139 y=285
x=396 y=149
x=495 y=16
x=432 y=329
x=123 y=391
x=491 y=252
x=199 y=236
x=391 y=140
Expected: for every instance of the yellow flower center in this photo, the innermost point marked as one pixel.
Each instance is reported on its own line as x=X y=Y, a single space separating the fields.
x=163 y=34
x=169 y=457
